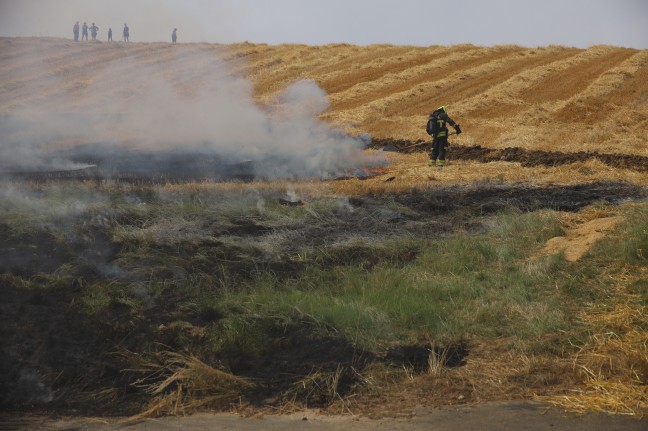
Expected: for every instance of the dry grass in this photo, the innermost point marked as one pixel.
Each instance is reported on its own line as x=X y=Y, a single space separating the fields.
x=498 y=371
x=180 y=383
x=408 y=171
x=437 y=360
x=614 y=361
x=320 y=387
x=550 y=98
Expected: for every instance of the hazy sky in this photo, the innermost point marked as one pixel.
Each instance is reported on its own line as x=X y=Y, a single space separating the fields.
x=580 y=23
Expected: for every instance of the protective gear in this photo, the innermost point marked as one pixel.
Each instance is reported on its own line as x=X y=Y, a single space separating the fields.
x=430 y=163
x=437 y=127
x=438 y=121
x=439 y=148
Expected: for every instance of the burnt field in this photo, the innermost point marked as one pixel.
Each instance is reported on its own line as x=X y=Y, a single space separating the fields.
x=114 y=288
x=261 y=232
x=526 y=157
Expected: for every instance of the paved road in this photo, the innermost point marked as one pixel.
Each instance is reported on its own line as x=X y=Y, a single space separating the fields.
x=503 y=416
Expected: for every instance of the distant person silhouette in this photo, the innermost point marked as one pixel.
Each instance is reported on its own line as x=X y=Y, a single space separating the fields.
x=93 y=31
x=75 y=30
x=110 y=34
x=84 y=34
x=174 y=35
x=126 y=33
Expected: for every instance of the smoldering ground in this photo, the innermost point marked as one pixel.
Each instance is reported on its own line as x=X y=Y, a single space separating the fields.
x=91 y=268
x=131 y=117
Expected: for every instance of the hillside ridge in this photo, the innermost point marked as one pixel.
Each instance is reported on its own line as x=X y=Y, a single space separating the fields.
x=551 y=98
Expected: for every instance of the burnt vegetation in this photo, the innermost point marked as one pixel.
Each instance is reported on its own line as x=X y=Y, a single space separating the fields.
x=88 y=295
x=137 y=280
x=526 y=158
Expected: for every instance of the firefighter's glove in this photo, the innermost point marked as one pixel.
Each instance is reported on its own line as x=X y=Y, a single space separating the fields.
x=458 y=129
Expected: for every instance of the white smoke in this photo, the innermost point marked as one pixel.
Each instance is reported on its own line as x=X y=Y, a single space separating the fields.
x=188 y=116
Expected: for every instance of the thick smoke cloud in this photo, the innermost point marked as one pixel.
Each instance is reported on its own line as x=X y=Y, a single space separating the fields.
x=135 y=118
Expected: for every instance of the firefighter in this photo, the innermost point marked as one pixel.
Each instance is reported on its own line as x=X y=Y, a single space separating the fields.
x=437 y=127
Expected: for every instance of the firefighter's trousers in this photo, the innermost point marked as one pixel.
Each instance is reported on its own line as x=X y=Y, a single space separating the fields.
x=439 y=147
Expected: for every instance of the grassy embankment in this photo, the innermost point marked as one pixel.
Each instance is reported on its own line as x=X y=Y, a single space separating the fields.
x=198 y=283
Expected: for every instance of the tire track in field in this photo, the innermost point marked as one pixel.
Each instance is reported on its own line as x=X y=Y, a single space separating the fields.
x=375 y=65
x=575 y=79
x=292 y=63
x=389 y=85
x=623 y=86
x=505 y=99
x=458 y=82
x=284 y=65
x=336 y=68
x=12 y=48
x=478 y=83
x=60 y=72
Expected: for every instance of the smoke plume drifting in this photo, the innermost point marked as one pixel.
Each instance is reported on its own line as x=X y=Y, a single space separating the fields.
x=186 y=117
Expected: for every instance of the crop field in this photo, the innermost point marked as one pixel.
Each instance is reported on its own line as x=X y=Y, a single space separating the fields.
x=256 y=228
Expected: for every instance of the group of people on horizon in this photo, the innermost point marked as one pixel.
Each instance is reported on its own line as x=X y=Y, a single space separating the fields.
x=94 y=30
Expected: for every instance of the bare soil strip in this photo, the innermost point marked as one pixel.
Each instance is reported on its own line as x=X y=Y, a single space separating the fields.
x=511 y=416
x=526 y=158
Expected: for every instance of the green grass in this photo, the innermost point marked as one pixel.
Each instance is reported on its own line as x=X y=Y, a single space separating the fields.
x=632 y=247
x=233 y=274
x=459 y=287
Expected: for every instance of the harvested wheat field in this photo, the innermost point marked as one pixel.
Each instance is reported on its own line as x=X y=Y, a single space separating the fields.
x=255 y=228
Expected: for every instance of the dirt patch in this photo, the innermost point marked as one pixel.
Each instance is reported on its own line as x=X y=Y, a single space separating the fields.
x=579 y=240
x=493 y=416
x=526 y=158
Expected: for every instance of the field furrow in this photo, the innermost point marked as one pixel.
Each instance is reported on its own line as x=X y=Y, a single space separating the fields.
x=565 y=83
x=441 y=65
x=545 y=97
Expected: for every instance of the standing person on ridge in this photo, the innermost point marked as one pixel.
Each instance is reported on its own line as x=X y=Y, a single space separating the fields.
x=110 y=34
x=84 y=33
x=126 y=33
x=437 y=127
x=174 y=35
x=93 y=31
x=75 y=30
